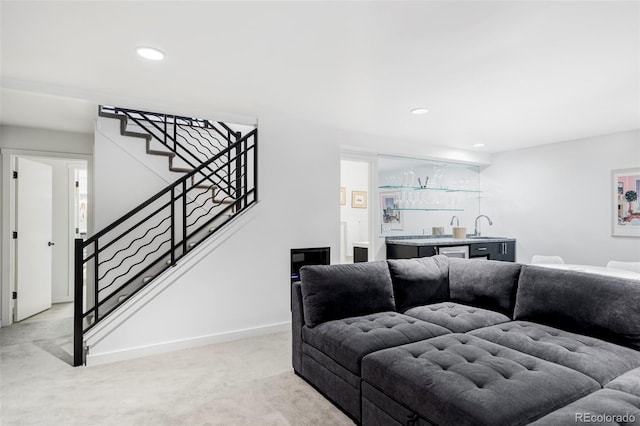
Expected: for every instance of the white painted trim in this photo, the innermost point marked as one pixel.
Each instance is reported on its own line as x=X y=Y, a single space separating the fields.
x=8 y=156
x=193 y=342
x=372 y=160
x=150 y=292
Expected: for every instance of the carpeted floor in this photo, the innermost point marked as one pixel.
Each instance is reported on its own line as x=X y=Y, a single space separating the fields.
x=246 y=382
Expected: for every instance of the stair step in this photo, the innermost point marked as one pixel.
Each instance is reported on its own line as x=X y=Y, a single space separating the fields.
x=180 y=169
x=136 y=134
x=163 y=153
x=201 y=186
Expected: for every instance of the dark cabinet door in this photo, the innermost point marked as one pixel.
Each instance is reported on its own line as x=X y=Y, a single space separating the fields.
x=401 y=251
x=507 y=251
x=484 y=250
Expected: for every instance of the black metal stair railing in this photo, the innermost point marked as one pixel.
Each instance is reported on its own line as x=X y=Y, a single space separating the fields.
x=191 y=141
x=120 y=260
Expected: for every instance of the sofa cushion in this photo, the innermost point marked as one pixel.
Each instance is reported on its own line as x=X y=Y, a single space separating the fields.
x=347 y=340
x=591 y=304
x=604 y=407
x=419 y=281
x=629 y=382
x=456 y=317
x=342 y=291
x=601 y=360
x=458 y=379
x=486 y=284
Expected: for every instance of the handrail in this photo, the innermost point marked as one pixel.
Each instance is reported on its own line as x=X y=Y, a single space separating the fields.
x=222 y=124
x=139 y=117
x=162 y=192
x=115 y=261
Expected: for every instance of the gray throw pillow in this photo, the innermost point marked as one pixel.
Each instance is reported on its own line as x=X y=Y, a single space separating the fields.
x=420 y=281
x=487 y=284
x=342 y=291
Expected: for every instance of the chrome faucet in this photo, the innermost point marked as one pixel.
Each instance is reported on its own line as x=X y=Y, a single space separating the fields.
x=456 y=219
x=476 y=232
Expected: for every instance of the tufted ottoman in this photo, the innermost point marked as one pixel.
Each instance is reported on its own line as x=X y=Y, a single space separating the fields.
x=457 y=317
x=598 y=359
x=461 y=379
x=348 y=340
x=617 y=404
x=334 y=349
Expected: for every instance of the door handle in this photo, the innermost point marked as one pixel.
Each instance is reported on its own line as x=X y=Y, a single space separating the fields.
x=51 y=244
x=481 y=248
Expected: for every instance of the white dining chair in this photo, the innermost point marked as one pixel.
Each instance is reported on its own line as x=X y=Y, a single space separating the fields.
x=629 y=266
x=538 y=259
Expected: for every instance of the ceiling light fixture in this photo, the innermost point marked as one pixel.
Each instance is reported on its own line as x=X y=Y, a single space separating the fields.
x=419 y=111
x=150 y=53
x=477 y=145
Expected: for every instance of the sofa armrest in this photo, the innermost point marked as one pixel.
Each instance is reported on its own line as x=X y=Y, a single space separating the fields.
x=297 y=322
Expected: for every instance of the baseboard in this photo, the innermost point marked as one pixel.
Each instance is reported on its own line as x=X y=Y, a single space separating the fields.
x=130 y=353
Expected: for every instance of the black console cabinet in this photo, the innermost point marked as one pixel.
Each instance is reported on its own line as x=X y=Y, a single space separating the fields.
x=308 y=256
x=401 y=251
x=491 y=250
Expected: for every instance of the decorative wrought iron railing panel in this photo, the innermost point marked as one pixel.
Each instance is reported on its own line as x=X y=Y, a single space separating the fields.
x=120 y=260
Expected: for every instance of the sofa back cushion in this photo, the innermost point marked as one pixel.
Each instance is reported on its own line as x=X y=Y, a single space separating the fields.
x=420 y=281
x=591 y=304
x=486 y=284
x=343 y=291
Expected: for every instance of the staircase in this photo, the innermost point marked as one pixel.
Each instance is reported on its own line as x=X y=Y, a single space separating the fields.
x=216 y=169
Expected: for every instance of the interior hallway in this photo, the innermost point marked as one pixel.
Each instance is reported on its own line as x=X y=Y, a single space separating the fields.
x=246 y=382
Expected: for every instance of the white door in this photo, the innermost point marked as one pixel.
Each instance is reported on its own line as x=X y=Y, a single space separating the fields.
x=34 y=192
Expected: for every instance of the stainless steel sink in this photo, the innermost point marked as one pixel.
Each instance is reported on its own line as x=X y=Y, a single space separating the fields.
x=480 y=237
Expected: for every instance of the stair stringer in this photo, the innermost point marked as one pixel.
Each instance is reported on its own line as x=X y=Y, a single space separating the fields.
x=135 y=147
x=93 y=338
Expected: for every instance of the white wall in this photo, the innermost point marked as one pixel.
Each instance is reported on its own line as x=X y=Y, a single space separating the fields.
x=556 y=199
x=244 y=283
x=125 y=175
x=35 y=142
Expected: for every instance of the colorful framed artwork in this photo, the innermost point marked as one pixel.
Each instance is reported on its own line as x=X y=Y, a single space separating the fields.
x=625 y=188
x=391 y=219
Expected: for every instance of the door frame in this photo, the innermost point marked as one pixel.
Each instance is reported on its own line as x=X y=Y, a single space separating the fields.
x=8 y=202
x=372 y=193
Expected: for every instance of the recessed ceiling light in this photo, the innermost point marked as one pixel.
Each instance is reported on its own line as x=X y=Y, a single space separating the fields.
x=419 y=111
x=477 y=145
x=150 y=53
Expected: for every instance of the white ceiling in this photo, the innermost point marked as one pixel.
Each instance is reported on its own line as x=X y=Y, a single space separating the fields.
x=509 y=74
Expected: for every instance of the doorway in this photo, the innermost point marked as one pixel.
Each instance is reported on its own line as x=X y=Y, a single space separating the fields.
x=355 y=209
x=68 y=190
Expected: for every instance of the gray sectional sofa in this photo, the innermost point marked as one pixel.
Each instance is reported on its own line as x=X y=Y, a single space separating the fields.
x=440 y=341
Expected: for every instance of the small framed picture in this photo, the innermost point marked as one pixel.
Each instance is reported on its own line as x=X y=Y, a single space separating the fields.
x=391 y=219
x=359 y=199
x=343 y=196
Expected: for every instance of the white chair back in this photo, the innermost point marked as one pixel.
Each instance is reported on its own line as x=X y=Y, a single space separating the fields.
x=537 y=259
x=628 y=266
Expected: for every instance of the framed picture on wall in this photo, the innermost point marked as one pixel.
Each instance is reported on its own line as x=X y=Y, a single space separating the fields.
x=343 y=196
x=391 y=219
x=625 y=188
x=359 y=199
